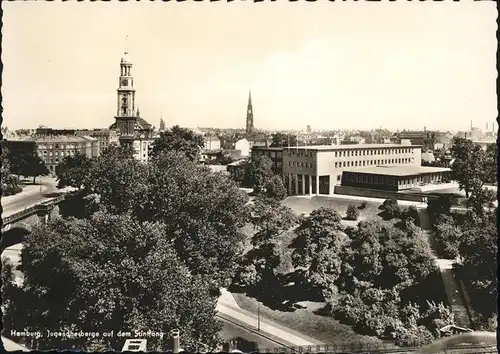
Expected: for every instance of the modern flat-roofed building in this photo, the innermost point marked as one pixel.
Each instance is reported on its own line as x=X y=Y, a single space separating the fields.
x=306 y=167
x=394 y=178
x=275 y=154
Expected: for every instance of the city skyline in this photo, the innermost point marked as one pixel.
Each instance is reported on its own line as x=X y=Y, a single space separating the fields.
x=203 y=59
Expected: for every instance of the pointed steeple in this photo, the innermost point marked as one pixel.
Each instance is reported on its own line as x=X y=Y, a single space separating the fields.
x=162 y=123
x=249 y=121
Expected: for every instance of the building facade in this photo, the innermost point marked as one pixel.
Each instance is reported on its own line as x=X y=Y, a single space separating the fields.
x=275 y=154
x=106 y=137
x=52 y=149
x=133 y=130
x=243 y=145
x=395 y=178
x=212 y=143
x=317 y=169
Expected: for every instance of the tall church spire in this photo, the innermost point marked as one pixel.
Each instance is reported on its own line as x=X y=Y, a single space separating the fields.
x=249 y=121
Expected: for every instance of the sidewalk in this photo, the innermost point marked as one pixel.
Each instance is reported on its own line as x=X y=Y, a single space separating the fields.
x=228 y=307
x=367 y=199
x=451 y=287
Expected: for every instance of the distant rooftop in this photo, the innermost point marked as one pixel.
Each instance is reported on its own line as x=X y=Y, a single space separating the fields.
x=277 y=148
x=56 y=139
x=350 y=147
x=399 y=170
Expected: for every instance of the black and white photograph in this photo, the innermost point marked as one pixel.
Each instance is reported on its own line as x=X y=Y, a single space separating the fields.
x=249 y=176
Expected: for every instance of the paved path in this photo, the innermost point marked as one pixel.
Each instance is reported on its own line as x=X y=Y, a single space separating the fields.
x=358 y=198
x=451 y=287
x=228 y=307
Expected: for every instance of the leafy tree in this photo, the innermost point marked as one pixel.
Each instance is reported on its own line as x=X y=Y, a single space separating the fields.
x=271 y=220
x=448 y=237
x=468 y=167
x=390 y=209
x=352 y=212
x=223 y=159
x=275 y=188
x=386 y=256
x=478 y=252
x=491 y=164
x=318 y=246
x=480 y=199
x=118 y=274
x=437 y=207
x=410 y=214
x=283 y=140
x=363 y=205
x=259 y=172
x=115 y=181
x=179 y=139
x=202 y=211
x=34 y=167
x=9 y=182
x=24 y=161
x=72 y=170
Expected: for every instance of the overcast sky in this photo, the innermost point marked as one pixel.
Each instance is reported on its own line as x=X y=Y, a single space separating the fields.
x=331 y=65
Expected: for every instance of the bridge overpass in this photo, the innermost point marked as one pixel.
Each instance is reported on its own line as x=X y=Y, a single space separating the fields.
x=17 y=224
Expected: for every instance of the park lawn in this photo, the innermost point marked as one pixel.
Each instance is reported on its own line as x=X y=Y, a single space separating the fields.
x=322 y=328
x=307 y=204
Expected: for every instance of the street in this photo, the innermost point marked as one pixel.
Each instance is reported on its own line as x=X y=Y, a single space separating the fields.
x=30 y=196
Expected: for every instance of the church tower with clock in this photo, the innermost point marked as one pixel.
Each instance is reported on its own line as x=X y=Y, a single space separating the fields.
x=133 y=130
x=125 y=112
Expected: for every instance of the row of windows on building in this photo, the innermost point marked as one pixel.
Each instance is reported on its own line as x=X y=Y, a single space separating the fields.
x=271 y=154
x=344 y=153
x=63 y=146
x=361 y=152
x=376 y=179
x=402 y=160
x=56 y=153
x=356 y=163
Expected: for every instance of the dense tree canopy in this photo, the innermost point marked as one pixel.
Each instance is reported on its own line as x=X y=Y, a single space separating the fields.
x=318 y=247
x=491 y=164
x=275 y=188
x=23 y=160
x=9 y=182
x=271 y=220
x=179 y=139
x=72 y=170
x=202 y=211
x=364 y=273
x=118 y=274
x=478 y=252
x=468 y=168
x=258 y=173
x=283 y=140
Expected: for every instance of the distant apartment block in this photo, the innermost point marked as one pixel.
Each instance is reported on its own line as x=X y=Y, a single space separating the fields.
x=106 y=137
x=52 y=149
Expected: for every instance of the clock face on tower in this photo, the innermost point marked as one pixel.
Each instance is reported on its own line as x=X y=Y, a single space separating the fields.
x=124 y=82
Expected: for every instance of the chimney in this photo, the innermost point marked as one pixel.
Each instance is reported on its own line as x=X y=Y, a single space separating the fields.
x=174 y=336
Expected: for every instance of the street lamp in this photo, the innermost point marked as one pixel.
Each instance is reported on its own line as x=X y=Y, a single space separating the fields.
x=258 y=316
